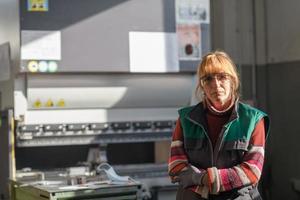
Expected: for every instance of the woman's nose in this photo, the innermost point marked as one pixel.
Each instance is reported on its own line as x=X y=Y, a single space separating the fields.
x=215 y=81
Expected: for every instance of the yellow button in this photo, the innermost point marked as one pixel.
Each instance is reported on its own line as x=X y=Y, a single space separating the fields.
x=33 y=66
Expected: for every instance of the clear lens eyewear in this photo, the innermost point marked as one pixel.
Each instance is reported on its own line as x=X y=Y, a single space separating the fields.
x=207 y=79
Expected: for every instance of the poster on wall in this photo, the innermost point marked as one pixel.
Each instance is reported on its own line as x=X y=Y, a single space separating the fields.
x=190 y=16
x=37 y=5
x=192 y=11
x=189 y=41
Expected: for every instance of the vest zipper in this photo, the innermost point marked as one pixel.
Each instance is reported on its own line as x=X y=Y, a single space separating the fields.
x=210 y=143
x=221 y=140
x=219 y=144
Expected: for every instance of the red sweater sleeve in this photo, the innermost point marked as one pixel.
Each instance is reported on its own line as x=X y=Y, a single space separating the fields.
x=178 y=159
x=246 y=173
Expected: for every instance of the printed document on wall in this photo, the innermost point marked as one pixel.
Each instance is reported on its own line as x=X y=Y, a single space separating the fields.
x=40 y=45
x=192 y=11
x=153 y=52
x=189 y=41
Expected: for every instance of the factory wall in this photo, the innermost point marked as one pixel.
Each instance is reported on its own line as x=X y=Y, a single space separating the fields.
x=283 y=59
x=264 y=39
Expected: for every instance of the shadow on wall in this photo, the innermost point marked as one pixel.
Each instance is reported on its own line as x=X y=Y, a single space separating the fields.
x=74 y=13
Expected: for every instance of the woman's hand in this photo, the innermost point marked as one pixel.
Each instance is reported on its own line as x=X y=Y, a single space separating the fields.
x=190 y=177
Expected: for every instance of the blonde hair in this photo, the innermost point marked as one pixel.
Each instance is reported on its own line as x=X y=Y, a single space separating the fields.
x=217 y=62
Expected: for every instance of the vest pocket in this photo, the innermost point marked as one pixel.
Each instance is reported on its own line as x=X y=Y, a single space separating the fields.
x=236 y=145
x=197 y=152
x=234 y=152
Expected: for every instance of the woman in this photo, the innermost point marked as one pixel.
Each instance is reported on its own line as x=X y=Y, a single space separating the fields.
x=217 y=149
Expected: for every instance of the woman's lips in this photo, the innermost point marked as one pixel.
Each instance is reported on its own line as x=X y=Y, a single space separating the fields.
x=218 y=93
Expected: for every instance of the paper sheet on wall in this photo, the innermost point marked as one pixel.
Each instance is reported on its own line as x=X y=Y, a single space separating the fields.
x=192 y=11
x=4 y=62
x=189 y=41
x=153 y=52
x=40 y=45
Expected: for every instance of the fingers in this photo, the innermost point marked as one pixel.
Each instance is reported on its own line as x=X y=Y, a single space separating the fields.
x=175 y=179
x=204 y=179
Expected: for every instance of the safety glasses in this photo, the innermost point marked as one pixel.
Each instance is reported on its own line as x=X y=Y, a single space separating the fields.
x=209 y=78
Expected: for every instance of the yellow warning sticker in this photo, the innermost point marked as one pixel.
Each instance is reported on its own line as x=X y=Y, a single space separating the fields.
x=37 y=5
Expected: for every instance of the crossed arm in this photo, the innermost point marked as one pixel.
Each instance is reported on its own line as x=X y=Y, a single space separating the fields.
x=246 y=173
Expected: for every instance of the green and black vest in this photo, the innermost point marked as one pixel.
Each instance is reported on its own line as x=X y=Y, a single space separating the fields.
x=232 y=143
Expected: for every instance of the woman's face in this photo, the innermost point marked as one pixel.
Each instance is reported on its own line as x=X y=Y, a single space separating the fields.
x=218 y=89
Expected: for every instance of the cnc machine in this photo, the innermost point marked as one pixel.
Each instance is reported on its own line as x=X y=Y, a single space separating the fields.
x=101 y=82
